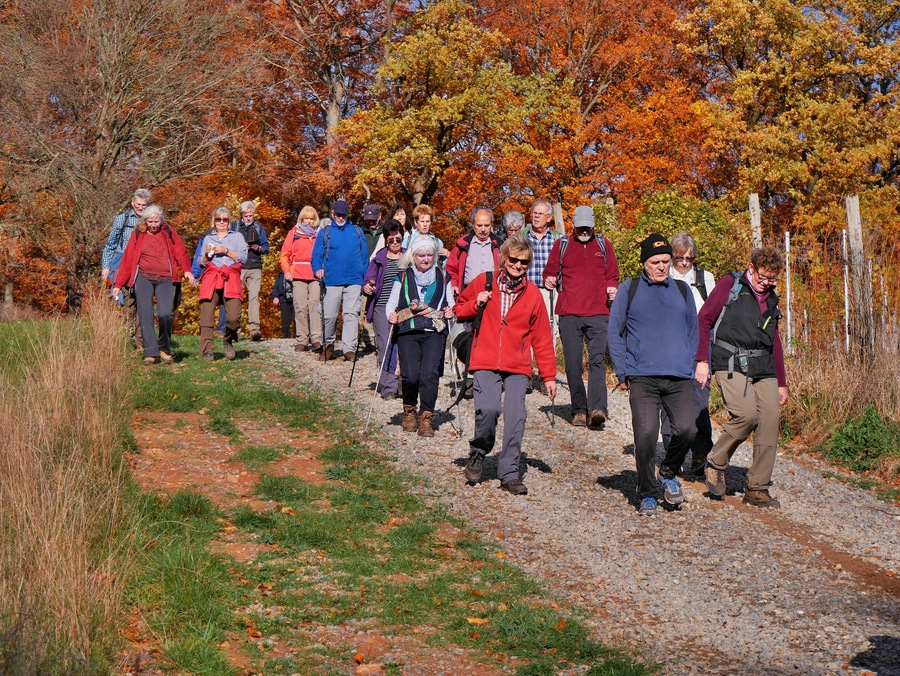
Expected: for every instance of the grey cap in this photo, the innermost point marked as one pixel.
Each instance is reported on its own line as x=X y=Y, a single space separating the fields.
x=583 y=218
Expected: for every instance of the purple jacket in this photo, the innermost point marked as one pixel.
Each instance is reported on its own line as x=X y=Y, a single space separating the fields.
x=375 y=273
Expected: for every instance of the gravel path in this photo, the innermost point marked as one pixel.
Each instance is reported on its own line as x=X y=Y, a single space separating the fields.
x=716 y=587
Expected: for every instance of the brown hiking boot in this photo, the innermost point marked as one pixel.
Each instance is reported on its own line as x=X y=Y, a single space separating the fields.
x=715 y=480
x=597 y=418
x=327 y=353
x=350 y=356
x=579 y=419
x=315 y=347
x=409 y=423
x=425 y=429
x=300 y=347
x=760 y=499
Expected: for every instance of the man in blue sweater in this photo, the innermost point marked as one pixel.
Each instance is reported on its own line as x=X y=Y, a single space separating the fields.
x=653 y=336
x=340 y=258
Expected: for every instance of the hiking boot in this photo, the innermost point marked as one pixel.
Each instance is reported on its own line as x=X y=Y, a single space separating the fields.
x=256 y=336
x=425 y=429
x=760 y=499
x=597 y=418
x=715 y=480
x=208 y=356
x=579 y=419
x=388 y=396
x=672 y=491
x=229 y=350
x=474 y=466
x=165 y=357
x=300 y=348
x=648 y=507
x=350 y=356
x=149 y=361
x=316 y=347
x=327 y=353
x=409 y=423
x=515 y=487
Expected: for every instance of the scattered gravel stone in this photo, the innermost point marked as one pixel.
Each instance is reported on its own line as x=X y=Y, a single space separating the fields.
x=716 y=587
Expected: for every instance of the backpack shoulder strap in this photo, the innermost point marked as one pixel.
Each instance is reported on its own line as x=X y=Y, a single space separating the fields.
x=489 y=280
x=683 y=288
x=633 y=284
x=700 y=282
x=733 y=293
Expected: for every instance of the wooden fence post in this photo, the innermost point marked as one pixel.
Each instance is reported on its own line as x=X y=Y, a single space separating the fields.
x=558 y=223
x=788 y=299
x=863 y=325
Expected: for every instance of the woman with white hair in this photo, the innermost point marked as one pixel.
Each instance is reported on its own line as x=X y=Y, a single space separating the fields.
x=150 y=266
x=419 y=307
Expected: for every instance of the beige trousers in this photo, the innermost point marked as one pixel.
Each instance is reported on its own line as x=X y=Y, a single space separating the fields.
x=307 y=313
x=752 y=407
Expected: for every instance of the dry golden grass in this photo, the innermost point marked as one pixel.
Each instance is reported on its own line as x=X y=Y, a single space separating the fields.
x=828 y=389
x=62 y=483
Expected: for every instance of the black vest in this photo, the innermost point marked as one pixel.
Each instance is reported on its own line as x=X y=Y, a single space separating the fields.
x=744 y=327
x=410 y=292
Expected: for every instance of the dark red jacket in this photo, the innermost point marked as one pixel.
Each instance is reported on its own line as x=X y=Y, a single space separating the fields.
x=456 y=261
x=507 y=345
x=178 y=257
x=584 y=277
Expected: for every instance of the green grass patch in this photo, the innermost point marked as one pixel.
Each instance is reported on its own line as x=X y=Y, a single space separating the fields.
x=186 y=593
x=863 y=442
x=259 y=455
x=881 y=490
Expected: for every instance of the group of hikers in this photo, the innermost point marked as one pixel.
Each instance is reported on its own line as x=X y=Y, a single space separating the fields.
x=502 y=297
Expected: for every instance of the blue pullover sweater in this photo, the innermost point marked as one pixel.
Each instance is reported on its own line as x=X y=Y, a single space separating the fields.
x=661 y=331
x=342 y=252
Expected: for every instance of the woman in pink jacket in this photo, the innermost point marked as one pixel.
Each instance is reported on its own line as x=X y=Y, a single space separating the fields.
x=514 y=325
x=296 y=263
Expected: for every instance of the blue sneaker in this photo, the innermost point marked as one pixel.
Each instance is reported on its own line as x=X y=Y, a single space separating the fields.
x=672 y=491
x=648 y=507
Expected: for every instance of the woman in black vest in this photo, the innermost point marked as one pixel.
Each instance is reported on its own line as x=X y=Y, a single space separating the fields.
x=420 y=305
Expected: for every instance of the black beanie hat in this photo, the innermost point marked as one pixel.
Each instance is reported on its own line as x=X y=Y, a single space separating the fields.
x=654 y=245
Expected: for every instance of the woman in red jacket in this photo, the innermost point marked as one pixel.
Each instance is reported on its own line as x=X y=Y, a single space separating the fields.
x=150 y=267
x=514 y=324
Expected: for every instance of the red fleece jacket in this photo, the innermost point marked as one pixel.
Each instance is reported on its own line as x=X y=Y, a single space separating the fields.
x=507 y=345
x=178 y=257
x=227 y=277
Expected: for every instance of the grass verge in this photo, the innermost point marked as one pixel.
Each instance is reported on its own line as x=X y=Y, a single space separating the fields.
x=63 y=539
x=358 y=553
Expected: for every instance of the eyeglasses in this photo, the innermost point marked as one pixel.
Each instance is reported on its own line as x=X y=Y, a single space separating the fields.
x=221 y=220
x=683 y=259
x=764 y=278
x=519 y=261
x=540 y=213
x=394 y=240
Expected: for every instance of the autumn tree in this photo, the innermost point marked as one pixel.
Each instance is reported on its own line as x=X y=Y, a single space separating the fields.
x=445 y=97
x=99 y=97
x=636 y=129
x=803 y=96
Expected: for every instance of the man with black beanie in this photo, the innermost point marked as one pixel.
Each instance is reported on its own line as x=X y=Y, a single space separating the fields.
x=653 y=337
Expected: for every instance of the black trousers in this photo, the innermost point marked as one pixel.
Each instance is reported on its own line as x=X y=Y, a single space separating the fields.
x=421 y=356
x=676 y=397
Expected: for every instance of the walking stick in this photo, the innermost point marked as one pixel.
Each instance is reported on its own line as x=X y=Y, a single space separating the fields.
x=356 y=352
x=387 y=349
x=322 y=313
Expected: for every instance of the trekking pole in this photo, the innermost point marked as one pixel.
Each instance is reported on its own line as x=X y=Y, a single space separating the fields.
x=322 y=313
x=356 y=353
x=387 y=348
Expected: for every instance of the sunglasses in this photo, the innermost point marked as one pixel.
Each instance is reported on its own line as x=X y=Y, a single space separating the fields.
x=394 y=240
x=221 y=220
x=683 y=259
x=519 y=261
